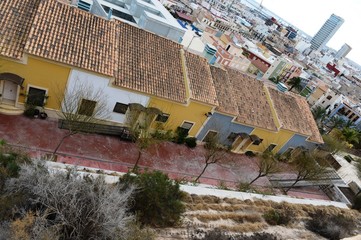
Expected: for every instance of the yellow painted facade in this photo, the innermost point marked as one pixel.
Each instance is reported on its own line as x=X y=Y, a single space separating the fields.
x=41 y=74
x=279 y=138
x=178 y=113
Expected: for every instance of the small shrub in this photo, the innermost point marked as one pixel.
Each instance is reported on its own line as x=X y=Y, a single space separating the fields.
x=222 y=185
x=348 y=158
x=163 y=135
x=250 y=154
x=136 y=232
x=191 y=142
x=9 y=164
x=244 y=187
x=279 y=216
x=181 y=135
x=29 y=111
x=158 y=199
x=332 y=227
x=357 y=203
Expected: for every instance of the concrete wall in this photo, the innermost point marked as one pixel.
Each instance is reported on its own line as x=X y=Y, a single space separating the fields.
x=113 y=94
x=297 y=141
x=224 y=126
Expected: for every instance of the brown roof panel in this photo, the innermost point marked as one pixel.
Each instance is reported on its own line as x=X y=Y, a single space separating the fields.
x=16 y=18
x=224 y=91
x=289 y=112
x=149 y=63
x=294 y=114
x=311 y=124
x=250 y=97
x=200 y=79
x=71 y=36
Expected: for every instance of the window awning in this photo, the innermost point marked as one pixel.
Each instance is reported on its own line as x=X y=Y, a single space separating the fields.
x=136 y=107
x=255 y=139
x=12 y=78
x=243 y=135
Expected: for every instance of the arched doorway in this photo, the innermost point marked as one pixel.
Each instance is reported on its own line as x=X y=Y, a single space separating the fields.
x=9 y=87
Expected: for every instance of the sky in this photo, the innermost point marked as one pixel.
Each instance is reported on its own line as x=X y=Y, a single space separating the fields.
x=310 y=15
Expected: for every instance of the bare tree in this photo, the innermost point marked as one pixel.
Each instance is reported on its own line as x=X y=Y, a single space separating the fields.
x=81 y=106
x=214 y=152
x=267 y=164
x=76 y=207
x=308 y=167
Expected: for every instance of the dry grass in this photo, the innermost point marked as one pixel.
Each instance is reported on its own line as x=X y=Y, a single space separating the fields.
x=211 y=199
x=246 y=227
x=217 y=207
x=235 y=207
x=232 y=201
x=197 y=199
x=197 y=207
x=238 y=218
x=187 y=198
x=263 y=203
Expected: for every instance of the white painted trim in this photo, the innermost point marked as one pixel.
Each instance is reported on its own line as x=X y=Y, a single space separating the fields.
x=205 y=122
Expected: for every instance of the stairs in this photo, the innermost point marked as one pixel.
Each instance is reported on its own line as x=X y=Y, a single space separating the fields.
x=10 y=109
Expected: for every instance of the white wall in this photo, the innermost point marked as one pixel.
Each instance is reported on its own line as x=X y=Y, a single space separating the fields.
x=113 y=94
x=324 y=102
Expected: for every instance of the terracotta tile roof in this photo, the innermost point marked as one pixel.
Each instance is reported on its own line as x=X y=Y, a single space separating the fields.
x=16 y=18
x=250 y=97
x=200 y=79
x=311 y=124
x=294 y=114
x=260 y=65
x=224 y=91
x=73 y=37
x=149 y=63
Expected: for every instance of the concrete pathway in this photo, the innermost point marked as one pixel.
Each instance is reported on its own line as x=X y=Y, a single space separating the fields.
x=39 y=137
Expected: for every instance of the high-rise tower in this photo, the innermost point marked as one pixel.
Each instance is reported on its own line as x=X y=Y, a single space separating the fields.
x=344 y=50
x=326 y=32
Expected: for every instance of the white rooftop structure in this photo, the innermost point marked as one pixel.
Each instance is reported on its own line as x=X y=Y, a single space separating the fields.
x=150 y=15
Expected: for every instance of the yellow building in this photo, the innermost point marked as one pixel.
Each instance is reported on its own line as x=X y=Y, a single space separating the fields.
x=42 y=53
x=42 y=82
x=38 y=51
x=253 y=117
x=200 y=97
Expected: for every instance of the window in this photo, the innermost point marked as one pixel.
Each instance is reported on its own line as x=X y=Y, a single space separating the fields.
x=329 y=97
x=120 y=108
x=271 y=147
x=162 y=117
x=36 y=96
x=87 y=107
x=187 y=125
x=288 y=152
x=211 y=135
